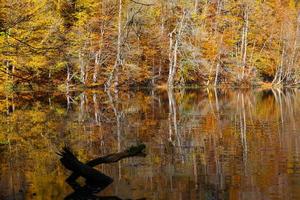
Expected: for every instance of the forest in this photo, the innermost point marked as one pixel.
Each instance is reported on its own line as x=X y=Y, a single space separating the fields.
x=68 y=44
x=161 y=99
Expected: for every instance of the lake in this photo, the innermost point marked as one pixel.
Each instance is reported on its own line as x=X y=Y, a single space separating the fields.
x=202 y=144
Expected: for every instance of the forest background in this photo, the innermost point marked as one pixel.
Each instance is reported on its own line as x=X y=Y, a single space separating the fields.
x=68 y=44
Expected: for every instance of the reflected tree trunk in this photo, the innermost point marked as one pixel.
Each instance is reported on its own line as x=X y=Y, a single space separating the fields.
x=242 y=122
x=209 y=94
x=11 y=172
x=173 y=122
x=217 y=102
x=97 y=112
x=277 y=96
x=290 y=99
x=82 y=107
x=244 y=127
x=170 y=118
x=118 y=117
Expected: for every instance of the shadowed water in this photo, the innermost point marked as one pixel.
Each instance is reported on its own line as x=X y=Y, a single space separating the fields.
x=201 y=144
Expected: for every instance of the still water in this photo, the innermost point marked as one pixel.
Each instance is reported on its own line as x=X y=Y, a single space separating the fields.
x=201 y=144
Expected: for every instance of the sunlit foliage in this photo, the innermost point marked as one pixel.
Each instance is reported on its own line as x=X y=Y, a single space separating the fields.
x=78 y=42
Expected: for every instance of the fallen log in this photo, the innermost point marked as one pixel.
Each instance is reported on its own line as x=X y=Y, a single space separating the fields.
x=134 y=151
x=96 y=181
x=92 y=176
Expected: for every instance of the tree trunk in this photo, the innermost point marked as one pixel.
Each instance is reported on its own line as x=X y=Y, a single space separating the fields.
x=115 y=72
x=98 y=56
x=279 y=72
x=68 y=78
x=173 y=48
x=96 y=68
x=245 y=41
x=82 y=68
x=196 y=6
x=296 y=47
x=217 y=73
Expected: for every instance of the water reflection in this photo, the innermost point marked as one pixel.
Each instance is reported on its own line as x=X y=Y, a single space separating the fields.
x=203 y=144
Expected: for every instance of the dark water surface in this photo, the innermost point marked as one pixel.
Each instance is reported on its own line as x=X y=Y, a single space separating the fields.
x=201 y=144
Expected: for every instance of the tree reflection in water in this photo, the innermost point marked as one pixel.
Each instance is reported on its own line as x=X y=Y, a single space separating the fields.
x=203 y=144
